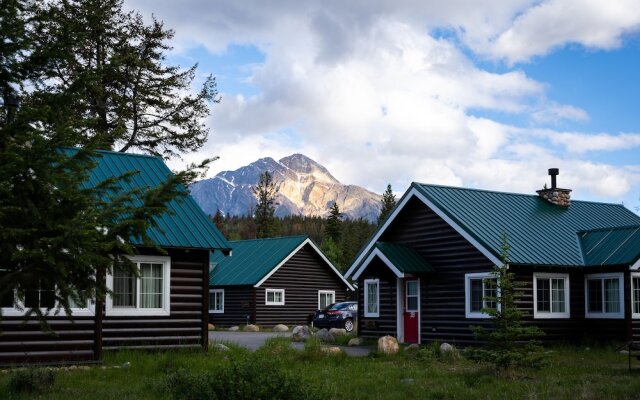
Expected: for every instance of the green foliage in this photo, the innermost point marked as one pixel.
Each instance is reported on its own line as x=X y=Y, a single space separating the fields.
x=509 y=343
x=247 y=377
x=341 y=253
x=265 y=192
x=31 y=381
x=110 y=68
x=388 y=202
x=333 y=228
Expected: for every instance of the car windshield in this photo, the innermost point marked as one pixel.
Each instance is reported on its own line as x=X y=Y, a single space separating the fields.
x=339 y=306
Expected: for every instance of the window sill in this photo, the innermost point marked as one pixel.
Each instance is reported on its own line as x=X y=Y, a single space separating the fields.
x=475 y=315
x=551 y=316
x=137 y=312
x=604 y=316
x=216 y=311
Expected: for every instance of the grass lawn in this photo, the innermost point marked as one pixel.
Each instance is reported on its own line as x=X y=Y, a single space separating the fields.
x=572 y=373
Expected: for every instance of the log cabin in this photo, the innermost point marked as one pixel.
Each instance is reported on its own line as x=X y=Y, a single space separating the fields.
x=425 y=274
x=166 y=306
x=272 y=281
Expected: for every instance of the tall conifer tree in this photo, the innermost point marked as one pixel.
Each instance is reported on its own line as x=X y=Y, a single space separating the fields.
x=388 y=202
x=265 y=192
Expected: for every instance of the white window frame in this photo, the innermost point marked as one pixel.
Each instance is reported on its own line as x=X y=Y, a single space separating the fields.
x=19 y=309
x=325 y=292
x=634 y=315
x=368 y=314
x=110 y=310
x=273 y=303
x=550 y=314
x=604 y=315
x=467 y=294
x=213 y=310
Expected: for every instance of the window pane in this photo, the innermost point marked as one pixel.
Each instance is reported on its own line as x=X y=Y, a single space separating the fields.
x=412 y=288
x=636 y=295
x=611 y=295
x=476 y=295
x=557 y=296
x=542 y=295
x=6 y=299
x=594 y=293
x=326 y=299
x=270 y=297
x=150 y=285
x=124 y=288
x=372 y=297
x=40 y=297
x=489 y=293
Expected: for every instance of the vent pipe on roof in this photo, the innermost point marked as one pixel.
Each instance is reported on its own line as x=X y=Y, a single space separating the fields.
x=555 y=195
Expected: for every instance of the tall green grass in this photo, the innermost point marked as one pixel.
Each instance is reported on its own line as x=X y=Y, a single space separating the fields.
x=573 y=373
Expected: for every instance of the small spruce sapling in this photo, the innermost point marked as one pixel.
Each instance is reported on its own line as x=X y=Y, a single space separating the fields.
x=508 y=343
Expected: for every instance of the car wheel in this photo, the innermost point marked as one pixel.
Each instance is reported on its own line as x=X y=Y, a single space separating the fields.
x=348 y=325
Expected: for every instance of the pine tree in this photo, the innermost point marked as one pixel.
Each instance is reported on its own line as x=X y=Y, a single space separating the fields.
x=111 y=68
x=508 y=343
x=265 y=192
x=388 y=202
x=333 y=229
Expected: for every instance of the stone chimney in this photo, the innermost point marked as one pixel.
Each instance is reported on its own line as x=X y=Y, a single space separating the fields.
x=555 y=195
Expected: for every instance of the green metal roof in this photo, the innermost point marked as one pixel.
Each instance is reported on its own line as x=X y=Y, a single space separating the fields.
x=404 y=258
x=617 y=246
x=538 y=232
x=184 y=226
x=251 y=260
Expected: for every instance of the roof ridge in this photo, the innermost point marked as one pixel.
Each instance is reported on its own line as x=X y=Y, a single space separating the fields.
x=613 y=228
x=118 y=153
x=271 y=238
x=511 y=193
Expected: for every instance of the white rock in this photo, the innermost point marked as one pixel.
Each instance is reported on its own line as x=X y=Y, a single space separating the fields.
x=234 y=329
x=388 y=345
x=252 y=328
x=355 y=342
x=325 y=336
x=280 y=328
x=445 y=348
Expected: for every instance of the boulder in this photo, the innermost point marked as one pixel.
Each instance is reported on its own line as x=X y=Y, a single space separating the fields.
x=300 y=333
x=220 y=347
x=355 y=342
x=338 y=332
x=252 y=328
x=388 y=345
x=446 y=347
x=281 y=328
x=325 y=336
x=211 y=327
x=331 y=350
x=412 y=347
x=234 y=329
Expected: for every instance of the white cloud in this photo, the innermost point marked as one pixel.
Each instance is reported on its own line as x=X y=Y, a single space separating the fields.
x=363 y=88
x=595 y=24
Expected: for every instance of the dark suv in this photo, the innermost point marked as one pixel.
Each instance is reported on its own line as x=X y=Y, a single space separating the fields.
x=338 y=315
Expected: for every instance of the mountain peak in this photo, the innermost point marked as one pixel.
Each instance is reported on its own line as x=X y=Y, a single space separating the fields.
x=305 y=187
x=302 y=164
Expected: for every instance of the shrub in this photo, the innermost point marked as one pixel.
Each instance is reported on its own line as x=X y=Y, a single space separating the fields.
x=246 y=377
x=31 y=380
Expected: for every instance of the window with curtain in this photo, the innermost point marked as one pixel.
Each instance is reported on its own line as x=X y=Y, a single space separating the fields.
x=372 y=298
x=326 y=298
x=551 y=295
x=635 y=294
x=274 y=297
x=480 y=288
x=216 y=301
x=145 y=294
x=604 y=296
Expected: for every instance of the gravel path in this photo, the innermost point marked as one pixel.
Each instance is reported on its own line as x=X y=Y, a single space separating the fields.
x=255 y=340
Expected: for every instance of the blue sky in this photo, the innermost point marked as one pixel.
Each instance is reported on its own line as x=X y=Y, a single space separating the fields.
x=487 y=96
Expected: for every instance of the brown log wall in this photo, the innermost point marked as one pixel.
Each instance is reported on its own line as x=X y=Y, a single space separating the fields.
x=238 y=304
x=302 y=276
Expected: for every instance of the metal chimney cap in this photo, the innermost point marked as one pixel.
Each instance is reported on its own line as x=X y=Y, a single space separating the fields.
x=554 y=171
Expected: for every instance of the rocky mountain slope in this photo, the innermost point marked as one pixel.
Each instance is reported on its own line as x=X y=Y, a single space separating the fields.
x=306 y=188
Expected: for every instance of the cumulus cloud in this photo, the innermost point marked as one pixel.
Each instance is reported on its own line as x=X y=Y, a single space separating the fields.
x=374 y=92
x=595 y=24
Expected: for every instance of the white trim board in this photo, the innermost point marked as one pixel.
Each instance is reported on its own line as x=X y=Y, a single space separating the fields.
x=635 y=266
x=287 y=258
x=377 y=253
x=411 y=193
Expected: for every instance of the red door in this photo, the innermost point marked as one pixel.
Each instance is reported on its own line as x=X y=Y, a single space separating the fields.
x=411 y=310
